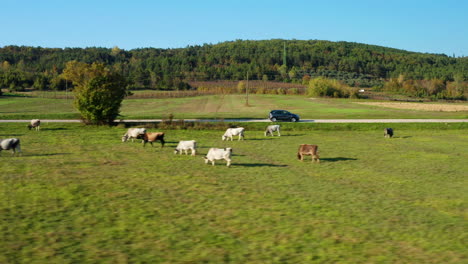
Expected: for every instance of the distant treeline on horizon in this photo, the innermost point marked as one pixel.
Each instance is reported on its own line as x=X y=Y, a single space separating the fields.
x=292 y=61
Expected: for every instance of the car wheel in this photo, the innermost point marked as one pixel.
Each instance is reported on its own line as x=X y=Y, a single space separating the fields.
x=273 y=119
x=293 y=119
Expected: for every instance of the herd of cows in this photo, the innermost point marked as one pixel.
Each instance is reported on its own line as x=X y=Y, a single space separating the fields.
x=187 y=145
x=214 y=154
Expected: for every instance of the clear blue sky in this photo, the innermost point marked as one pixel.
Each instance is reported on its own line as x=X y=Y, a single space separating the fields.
x=433 y=26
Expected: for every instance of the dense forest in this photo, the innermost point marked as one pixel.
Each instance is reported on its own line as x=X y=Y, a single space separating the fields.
x=291 y=61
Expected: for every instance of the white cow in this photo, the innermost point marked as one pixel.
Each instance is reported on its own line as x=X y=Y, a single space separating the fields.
x=218 y=154
x=186 y=145
x=36 y=124
x=272 y=128
x=10 y=143
x=230 y=132
x=134 y=133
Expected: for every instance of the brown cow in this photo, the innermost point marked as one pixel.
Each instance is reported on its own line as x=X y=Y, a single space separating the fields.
x=152 y=137
x=306 y=149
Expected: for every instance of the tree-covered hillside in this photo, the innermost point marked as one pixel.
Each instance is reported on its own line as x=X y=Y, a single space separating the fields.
x=297 y=61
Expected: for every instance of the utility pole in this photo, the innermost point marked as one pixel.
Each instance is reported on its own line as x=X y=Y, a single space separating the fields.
x=284 y=55
x=247 y=90
x=66 y=89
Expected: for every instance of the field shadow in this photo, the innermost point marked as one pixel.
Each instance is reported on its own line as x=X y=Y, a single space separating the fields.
x=293 y=135
x=260 y=138
x=199 y=147
x=207 y=147
x=55 y=128
x=259 y=165
x=336 y=159
x=46 y=154
x=13 y=112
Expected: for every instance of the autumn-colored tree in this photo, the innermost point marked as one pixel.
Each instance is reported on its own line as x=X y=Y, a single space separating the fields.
x=283 y=70
x=98 y=91
x=6 y=66
x=305 y=79
x=292 y=73
x=115 y=51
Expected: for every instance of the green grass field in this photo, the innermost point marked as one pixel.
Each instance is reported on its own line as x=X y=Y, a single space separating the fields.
x=217 y=106
x=80 y=195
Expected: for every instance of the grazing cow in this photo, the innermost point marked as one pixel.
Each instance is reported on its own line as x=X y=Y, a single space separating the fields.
x=218 y=154
x=272 y=128
x=306 y=149
x=153 y=137
x=388 y=132
x=35 y=123
x=185 y=146
x=10 y=143
x=134 y=133
x=230 y=132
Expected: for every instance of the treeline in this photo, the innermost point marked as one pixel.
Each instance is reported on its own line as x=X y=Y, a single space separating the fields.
x=434 y=88
x=292 y=61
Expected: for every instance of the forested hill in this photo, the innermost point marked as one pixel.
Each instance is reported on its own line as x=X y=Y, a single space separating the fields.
x=280 y=60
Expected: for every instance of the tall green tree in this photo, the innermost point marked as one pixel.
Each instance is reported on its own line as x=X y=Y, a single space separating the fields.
x=99 y=92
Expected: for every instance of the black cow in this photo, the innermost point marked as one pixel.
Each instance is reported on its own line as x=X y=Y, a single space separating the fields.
x=388 y=132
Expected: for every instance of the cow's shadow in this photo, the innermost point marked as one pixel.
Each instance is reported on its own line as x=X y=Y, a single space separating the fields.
x=336 y=159
x=259 y=165
x=403 y=137
x=45 y=154
x=292 y=135
x=54 y=128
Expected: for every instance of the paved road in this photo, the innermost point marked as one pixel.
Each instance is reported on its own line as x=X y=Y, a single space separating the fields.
x=263 y=120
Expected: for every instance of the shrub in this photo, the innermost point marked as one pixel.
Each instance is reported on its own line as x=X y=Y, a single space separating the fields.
x=293 y=91
x=280 y=91
x=327 y=87
x=260 y=90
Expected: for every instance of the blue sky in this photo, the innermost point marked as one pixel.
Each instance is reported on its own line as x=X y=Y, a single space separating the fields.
x=422 y=26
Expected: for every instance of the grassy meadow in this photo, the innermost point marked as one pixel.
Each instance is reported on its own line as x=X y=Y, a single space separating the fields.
x=80 y=195
x=219 y=107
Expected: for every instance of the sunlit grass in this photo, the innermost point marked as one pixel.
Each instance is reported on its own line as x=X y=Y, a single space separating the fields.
x=80 y=195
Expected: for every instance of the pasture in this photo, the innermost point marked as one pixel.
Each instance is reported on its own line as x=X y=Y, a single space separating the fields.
x=80 y=195
x=223 y=107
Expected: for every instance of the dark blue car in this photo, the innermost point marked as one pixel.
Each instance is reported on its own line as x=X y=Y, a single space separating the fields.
x=283 y=115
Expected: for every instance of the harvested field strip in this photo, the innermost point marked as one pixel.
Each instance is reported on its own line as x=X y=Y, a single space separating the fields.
x=422 y=106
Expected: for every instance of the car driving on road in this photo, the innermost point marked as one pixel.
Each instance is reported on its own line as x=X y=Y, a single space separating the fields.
x=283 y=115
